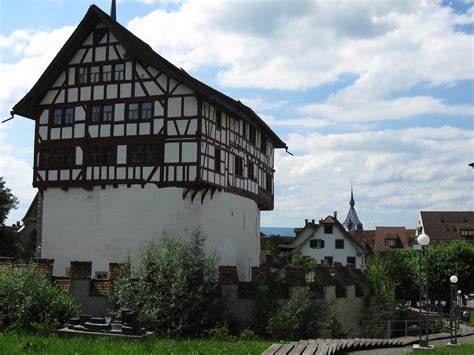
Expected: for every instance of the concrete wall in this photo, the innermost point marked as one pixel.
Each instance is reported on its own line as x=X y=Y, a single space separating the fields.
x=105 y=225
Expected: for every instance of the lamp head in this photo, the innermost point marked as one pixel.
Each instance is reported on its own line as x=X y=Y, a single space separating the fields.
x=453 y=279
x=423 y=239
x=459 y=292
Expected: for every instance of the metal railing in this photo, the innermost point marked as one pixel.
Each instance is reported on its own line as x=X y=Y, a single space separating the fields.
x=409 y=327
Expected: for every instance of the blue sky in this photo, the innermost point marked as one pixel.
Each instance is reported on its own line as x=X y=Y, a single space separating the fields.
x=377 y=92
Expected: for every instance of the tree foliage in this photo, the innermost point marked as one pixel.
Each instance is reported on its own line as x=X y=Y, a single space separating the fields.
x=7 y=201
x=174 y=287
x=29 y=302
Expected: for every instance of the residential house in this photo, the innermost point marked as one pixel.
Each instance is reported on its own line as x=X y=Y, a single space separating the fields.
x=328 y=242
x=446 y=226
x=128 y=147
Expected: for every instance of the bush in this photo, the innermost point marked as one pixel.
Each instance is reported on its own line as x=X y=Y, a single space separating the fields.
x=248 y=334
x=221 y=332
x=174 y=288
x=30 y=303
x=336 y=329
x=301 y=317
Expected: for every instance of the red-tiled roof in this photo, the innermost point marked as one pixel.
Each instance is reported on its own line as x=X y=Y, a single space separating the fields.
x=446 y=226
x=396 y=233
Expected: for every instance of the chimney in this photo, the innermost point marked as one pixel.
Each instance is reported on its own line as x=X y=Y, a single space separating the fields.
x=335 y=214
x=306 y=222
x=113 y=11
x=312 y=221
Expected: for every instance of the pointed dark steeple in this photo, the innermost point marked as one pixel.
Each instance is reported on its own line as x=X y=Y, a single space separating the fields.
x=352 y=222
x=113 y=11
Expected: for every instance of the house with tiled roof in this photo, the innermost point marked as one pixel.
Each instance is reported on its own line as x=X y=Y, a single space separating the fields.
x=446 y=226
x=328 y=242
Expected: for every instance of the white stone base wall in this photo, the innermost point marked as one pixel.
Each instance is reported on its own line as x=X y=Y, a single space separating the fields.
x=106 y=225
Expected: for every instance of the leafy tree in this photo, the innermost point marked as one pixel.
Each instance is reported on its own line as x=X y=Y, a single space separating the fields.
x=174 y=287
x=7 y=201
x=307 y=264
x=9 y=242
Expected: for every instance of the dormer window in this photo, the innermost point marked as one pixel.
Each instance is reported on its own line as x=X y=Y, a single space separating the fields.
x=390 y=243
x=100 y=36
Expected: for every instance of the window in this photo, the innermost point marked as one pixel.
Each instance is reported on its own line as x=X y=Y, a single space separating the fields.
x=119 y=71
x=107 y=73
x=390 y=242
x=328 y=259
x=108 y=113
x=339 y=243
x=238 y=166
x=263 y=144
x=102 y=155
x=252 y=171
x=244 y=129
x=328 y=229
x=57 y=157
x=95 y=74
x=103 y=113
x=351 y=260
x=252 y=134
x=268 y=182
x=316 y=243
x=146 y=108
x=63 y=116
x=83 y=75
x=467 y=232
x=218 y=119
x=142 y=154
x=100 y=36
x=141 y=110
x=217 y=161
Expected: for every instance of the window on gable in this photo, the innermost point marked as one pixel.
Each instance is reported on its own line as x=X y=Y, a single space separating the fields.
x=100 y=36
x=217 y=160
x=107 y=72
x=119 y=71
x=316 y=243
x=328 y=229
x=351 y=260
x=142 y=110
x=62 y=116
x=218 y=119
x=339 y=243
x=94 y=74
x=238 y=166
x=263 y=143
x=83 y=75
x=146 y=108
x=252 y=134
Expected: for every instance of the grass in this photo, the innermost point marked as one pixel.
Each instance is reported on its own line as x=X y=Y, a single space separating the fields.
x=467 y=349
x=29 y=344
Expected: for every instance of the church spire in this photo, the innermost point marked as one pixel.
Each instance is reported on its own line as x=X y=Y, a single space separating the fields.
x=352 y=202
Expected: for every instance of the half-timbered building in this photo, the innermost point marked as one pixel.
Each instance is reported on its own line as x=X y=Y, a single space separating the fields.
x=128 y=147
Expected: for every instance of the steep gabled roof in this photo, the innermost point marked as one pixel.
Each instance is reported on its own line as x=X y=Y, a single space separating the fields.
x=397 y=233
x=138 y=48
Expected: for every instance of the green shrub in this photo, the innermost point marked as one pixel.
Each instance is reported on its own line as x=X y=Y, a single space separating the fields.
x=221 y=332
x=29 y=302
x=336 y=329
x=248 y=334
x=174 y=288
x=302 y=317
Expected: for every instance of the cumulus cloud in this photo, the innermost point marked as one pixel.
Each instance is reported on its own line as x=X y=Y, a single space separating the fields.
x=396 y=173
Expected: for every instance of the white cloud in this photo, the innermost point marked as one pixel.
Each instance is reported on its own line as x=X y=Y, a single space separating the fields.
x=259 y=104
x=396 y=173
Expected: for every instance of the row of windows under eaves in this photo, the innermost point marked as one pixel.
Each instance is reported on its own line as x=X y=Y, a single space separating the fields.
x=97 y=74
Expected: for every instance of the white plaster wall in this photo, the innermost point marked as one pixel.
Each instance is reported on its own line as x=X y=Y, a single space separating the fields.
x=339 y=255
x=105 y=225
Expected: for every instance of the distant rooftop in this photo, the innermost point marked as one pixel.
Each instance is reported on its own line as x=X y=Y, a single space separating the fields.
x=281 y=231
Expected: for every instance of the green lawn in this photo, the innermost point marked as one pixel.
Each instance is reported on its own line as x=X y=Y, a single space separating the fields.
x=467 y=349
x=21 y=344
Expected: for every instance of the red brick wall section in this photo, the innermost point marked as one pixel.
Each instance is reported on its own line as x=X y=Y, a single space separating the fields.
x=64 y=283
x=81 y=270
x=295 y=277
x=45 y=267
x=228 y=275
x=99 y=288
x=260 y=275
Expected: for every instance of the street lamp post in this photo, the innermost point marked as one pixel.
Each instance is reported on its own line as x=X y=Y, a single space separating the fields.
x=423 y=240
x=453 y=331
